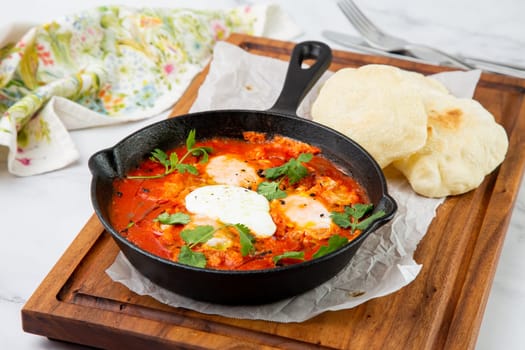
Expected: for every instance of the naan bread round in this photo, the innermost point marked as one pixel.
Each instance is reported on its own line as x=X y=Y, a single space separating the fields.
x=424 y=85
x=378 y=106
x=464 y=144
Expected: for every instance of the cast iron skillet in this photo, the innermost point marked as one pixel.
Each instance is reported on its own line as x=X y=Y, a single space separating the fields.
x=244 y=287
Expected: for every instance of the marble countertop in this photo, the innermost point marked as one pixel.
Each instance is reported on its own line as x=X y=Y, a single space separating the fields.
x=41 y=215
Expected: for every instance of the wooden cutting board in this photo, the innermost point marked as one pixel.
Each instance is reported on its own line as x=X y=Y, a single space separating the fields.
x=443 y=308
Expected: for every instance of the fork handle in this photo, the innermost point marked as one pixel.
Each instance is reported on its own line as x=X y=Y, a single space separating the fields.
x=432 y=54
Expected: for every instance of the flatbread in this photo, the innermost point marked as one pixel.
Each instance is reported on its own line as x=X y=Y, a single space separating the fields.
x=442 y=144
x=378 y=106
x=464 y=144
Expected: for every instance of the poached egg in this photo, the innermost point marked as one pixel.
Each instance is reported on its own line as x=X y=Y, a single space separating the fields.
x=233 y=205
x=305 y=212
x=228 y=170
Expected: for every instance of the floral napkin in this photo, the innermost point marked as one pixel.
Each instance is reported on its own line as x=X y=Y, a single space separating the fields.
x=107 y=65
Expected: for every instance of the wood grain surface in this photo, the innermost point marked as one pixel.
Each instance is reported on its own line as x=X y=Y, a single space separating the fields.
x=441 y=309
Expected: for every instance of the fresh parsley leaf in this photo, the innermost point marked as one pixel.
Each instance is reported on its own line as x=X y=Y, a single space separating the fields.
x=335 y=242
x=289 y=255
x=200 y=234
x=246 y=239
x=296 y=171
x=352 y=214
x=273 y=173
x=340 y=219
x=293 y=169
x=173 y=163
x=305 y=157
x=358 y=210
x=270 y=190
x=174 y=159
x=189 y=257
x=159 y=156
x=183 y=168
x=195 y=151
x=173 y=219
x=203 y=152
x=363 y=224
x=190 y=140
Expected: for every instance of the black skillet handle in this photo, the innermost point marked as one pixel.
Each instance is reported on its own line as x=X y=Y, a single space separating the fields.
x=300 y=80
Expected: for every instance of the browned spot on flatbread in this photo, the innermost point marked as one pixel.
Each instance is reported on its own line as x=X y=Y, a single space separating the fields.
x=450 y=119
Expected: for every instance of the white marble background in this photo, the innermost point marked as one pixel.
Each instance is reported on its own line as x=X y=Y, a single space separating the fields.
x=41 y=215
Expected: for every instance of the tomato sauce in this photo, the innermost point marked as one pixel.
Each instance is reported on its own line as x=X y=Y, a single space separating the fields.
x=138 y=202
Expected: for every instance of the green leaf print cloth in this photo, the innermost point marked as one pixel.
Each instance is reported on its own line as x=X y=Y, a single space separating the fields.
x=103 y=66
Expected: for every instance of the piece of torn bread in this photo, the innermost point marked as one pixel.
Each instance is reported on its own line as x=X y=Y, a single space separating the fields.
x=444 y=145
x=464 y=144
x=377 y=106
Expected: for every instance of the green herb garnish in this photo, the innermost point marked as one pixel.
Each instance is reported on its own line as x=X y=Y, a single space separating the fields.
x=271 y=190
x=173 y=219
x=189 y=257
x=200 y=234
x=350 y=217
x=173 y=163
x=335 y=242
x=289 y=255
x=294 y=170
x=246 y=239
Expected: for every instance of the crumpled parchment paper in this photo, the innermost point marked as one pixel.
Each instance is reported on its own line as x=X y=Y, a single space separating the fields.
x=382 y=265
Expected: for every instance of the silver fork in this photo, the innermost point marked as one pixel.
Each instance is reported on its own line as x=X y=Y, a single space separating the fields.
x=377 y=38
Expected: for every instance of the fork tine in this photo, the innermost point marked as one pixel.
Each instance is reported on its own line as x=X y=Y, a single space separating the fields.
x=360 y=21
x=352 y=11
x=375 y=37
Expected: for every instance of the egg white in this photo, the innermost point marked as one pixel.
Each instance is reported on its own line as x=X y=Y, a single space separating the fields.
x=233 y=205
x=305 y=212
x=228 y=170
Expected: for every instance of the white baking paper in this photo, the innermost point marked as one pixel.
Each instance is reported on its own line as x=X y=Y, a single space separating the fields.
x=382 y=265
